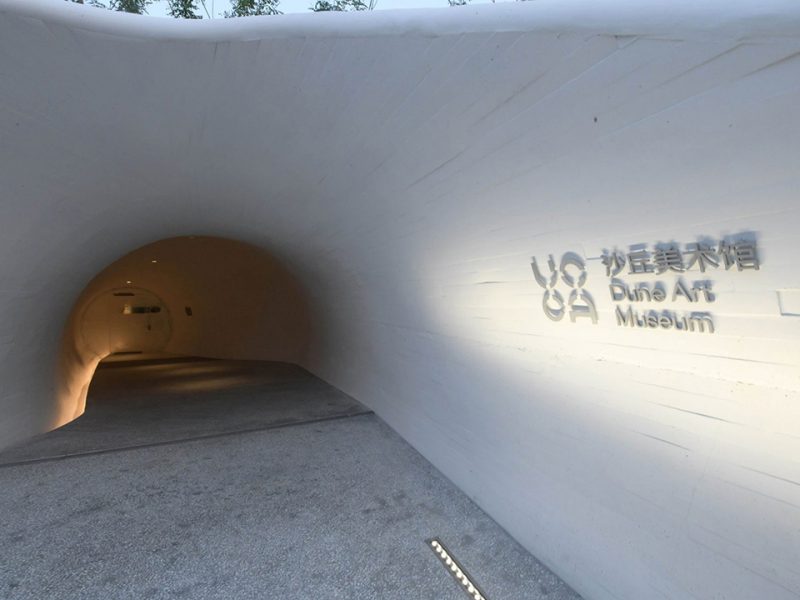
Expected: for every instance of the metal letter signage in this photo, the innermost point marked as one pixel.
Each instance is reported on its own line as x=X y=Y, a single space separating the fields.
x=659 y=261
x=580 y=302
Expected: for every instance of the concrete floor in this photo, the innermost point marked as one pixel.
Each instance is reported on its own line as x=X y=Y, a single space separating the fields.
x=222 y=479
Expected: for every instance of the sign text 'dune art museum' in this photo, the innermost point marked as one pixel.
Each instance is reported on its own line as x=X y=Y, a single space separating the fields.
x=651 y=287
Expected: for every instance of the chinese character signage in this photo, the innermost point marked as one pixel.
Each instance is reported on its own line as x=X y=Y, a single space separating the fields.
x=643 y=278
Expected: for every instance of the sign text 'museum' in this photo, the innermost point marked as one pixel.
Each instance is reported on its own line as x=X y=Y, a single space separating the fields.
x=642 y=298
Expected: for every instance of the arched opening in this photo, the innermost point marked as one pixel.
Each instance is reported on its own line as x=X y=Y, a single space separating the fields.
x=192 y=296
x=126 y=321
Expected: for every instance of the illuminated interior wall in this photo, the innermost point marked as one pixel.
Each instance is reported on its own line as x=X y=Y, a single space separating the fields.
x=217 y=298
x=406 y=167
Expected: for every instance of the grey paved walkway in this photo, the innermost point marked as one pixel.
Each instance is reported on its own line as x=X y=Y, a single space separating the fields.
x=268 y=506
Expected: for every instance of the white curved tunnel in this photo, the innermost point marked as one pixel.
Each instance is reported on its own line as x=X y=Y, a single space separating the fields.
x=403 y=168
x=192 y=295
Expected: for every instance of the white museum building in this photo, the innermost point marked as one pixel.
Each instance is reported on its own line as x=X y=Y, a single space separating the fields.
x=328 y=305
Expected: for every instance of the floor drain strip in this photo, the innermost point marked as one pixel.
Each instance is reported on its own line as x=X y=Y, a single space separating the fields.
x=456 y=569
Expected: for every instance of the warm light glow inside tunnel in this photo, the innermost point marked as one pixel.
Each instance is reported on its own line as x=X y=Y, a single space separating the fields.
x=194 y=296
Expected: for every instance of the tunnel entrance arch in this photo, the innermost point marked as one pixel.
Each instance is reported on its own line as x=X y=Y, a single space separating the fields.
x=126 y=321
x=199 y=296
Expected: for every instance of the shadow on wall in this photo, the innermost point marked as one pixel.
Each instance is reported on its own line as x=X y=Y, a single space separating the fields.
x=198 y=296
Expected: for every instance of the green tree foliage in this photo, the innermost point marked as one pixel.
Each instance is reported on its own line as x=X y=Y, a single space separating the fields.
x=183 y=9
x=342 y=5
x=138 y=7
x=96 y=3
x=252 y=8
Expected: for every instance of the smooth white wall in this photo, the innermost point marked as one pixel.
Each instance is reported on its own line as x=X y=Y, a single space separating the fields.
x=405 y=167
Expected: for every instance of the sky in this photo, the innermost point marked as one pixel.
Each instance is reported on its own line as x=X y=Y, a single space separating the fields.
x=158 y=8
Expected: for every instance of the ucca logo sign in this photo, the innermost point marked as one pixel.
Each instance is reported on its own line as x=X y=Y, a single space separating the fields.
x=653 y=286
x=570 y=276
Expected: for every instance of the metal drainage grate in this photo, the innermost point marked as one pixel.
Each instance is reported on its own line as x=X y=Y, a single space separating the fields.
x=455 y=568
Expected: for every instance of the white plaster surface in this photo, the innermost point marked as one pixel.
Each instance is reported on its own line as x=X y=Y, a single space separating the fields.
x=405 y=166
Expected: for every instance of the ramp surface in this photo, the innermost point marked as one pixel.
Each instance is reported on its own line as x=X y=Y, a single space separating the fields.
x=324 y=501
